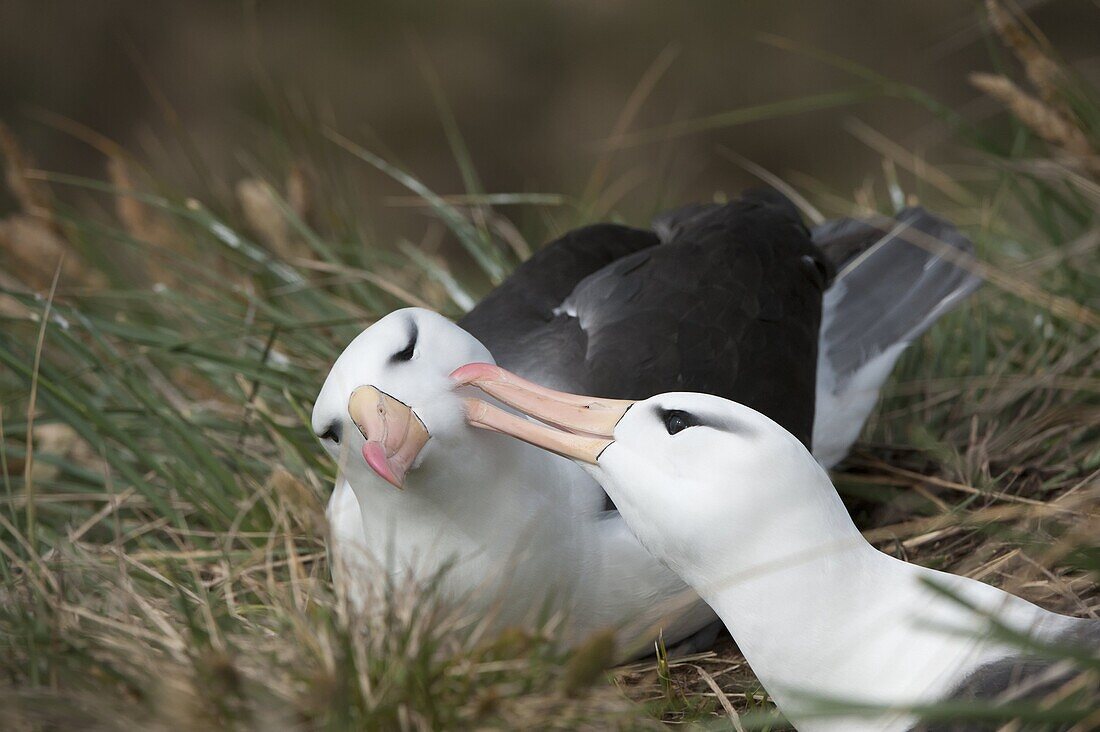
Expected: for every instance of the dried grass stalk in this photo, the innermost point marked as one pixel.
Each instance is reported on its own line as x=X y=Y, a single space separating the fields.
x=32 y=250
x=1044 y=74
x=141 y=221
x=301 y=504
x=298 y=191
x=138 y=219
x=11 y=307
x=31 y=241
x=33 y=195
x=1043 y=120
x=56 y=439
x=262 y=213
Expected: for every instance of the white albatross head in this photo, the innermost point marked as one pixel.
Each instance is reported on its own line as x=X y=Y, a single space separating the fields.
x=387 y=408
x=699 y=479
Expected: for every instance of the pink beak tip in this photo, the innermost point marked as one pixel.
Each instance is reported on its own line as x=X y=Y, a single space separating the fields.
x=475 y=372
x=375 y=455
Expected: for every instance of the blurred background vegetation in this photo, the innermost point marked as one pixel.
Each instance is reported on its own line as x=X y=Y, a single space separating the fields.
x=536 y=87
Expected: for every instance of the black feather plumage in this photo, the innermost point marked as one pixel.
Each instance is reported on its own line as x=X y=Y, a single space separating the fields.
x=729 y=304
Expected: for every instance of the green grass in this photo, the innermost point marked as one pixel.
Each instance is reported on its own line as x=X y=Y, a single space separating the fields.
x=161 y=529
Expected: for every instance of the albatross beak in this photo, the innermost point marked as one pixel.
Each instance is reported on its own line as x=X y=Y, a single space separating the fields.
x=577 y=427
x=394 y=434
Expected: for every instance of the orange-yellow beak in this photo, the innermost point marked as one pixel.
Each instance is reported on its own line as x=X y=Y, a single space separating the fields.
x=394 y=434
x=577 y=427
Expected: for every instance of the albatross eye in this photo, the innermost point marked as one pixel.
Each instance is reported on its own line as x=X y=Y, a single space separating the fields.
x=677 y=420
x=332 y=433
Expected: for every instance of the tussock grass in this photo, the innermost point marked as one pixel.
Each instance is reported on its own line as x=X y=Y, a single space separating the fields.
x=161 y=518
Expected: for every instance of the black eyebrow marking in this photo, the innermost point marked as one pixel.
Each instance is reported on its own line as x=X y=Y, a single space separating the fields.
x=735 y=428
x=694 y=419
x=406 y=353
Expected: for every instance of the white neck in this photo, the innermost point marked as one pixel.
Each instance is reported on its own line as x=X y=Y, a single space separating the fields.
x=488 y=495
x=497 y=518
x=525 y=523
x=829 y=615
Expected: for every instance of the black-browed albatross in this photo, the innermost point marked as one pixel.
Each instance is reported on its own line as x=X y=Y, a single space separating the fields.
x=722 y=298
x=737 y=507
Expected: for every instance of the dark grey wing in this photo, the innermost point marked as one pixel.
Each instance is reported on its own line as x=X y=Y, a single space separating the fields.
x=730 y=306
x=894 y=282
x=526 y=301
